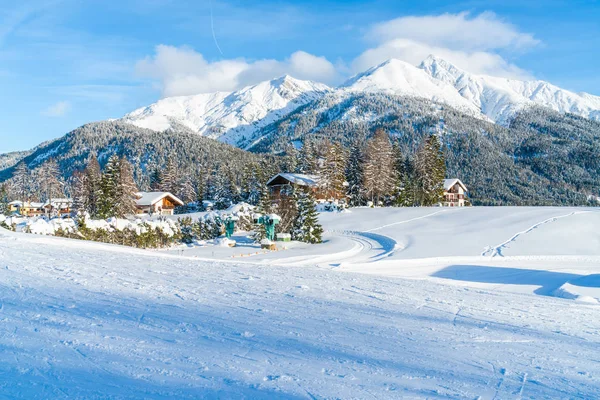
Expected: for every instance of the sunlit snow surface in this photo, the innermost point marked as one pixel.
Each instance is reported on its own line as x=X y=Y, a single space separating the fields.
x=397 y=303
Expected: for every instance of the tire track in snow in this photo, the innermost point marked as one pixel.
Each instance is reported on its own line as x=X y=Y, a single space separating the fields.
x=497 y=250
x=406 y=221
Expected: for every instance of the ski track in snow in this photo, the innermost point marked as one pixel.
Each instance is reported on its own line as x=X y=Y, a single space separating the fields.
x=497 y=250
x=406 y=221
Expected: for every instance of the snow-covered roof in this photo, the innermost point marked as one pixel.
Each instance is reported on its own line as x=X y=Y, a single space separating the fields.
x=58 y=203
x=151 y=198
x=448 y=183
x=16 y=203
x=297 y=179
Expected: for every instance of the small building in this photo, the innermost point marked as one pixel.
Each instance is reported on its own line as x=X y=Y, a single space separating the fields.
x=280 y=183
x=162 y=203
x=26 y=208
x=14 y=206
x=454 y=193
x=59 y=206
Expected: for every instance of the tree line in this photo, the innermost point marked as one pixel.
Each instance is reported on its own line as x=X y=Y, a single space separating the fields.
x=375 y=170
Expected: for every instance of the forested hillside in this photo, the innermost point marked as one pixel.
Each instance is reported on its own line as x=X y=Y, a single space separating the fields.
x=542 y=158
x=203 y=163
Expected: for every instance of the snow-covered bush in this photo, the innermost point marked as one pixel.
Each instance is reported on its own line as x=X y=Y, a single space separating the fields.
x=139 y=233
x=5 y=222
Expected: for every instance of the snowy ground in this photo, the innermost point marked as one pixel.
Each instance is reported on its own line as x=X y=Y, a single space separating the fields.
x=423 y=303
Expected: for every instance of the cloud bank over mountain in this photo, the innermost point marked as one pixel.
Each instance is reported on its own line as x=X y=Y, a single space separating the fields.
x=471 y=42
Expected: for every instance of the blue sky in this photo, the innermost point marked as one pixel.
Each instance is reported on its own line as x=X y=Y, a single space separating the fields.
x=64 y=63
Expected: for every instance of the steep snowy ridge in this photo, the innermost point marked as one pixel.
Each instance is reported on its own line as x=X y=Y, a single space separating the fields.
x=401 y=78
x=237 y=117
x=230 y=117
x=500 y=98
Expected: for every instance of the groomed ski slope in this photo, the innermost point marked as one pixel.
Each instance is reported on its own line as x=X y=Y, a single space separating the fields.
x=398 y=303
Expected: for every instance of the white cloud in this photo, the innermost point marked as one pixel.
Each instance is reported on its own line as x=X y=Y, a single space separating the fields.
x=183 y=71
x=455 y=31
x=469 y=42
x=59 y=109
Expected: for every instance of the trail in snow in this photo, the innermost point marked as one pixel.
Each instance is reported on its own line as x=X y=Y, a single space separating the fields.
x=406 y=221
x=497 y=250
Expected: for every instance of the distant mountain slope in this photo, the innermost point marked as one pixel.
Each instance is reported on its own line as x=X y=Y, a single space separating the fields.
x=500 y=98
x=231 y=118
x=543 y=158
x=144 y=148
x=9 y=159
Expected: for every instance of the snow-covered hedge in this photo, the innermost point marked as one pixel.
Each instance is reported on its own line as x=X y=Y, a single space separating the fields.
x=143 y=233
x=135 y=233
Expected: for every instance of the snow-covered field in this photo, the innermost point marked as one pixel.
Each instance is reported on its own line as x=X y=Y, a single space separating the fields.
x=419 y=303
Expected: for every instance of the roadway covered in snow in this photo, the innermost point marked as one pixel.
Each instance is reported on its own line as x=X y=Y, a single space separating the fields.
x=423 y=303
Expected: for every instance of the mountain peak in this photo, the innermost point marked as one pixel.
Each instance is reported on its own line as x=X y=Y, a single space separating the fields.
x=433 y=64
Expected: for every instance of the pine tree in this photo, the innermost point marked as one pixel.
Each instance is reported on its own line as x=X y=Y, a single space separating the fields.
x=201 y=183
x=92 y=190
x=354 y=174
x=4 y=209
x=126 y=193
x=186 y=191
x=252 y=184
x=155 y=179
x=222 y=191
x=309 y=158
x=264 y=207
x=430 y=168
x=50 y=182
x=80 y=197
x=21 y=183
x=306 y=227
x=290 y=161
x=379 y=175
x=406 y=191
x=332 y=175
x=109 y=185
x=169 y=177
x=86 y=187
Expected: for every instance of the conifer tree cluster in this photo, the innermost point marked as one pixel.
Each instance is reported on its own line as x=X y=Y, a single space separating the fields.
x=42 y=184
x=111 y=193
x=375 y=170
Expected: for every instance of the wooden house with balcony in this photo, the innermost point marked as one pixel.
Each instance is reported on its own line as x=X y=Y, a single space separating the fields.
x=284 y=183
x=454 y=193
x=26 y=208
x=162 y=203
x=60 y=207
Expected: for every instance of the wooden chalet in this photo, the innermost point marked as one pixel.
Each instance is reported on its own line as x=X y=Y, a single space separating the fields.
x=26 y=208
x=283 y=182
x=454 y=193
x=60 y=207
x=162 y=203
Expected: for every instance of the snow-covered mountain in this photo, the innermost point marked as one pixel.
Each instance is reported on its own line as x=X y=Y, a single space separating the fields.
x=500 y=98
x=230 y=117
x=401 y=78
x=237 y=117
